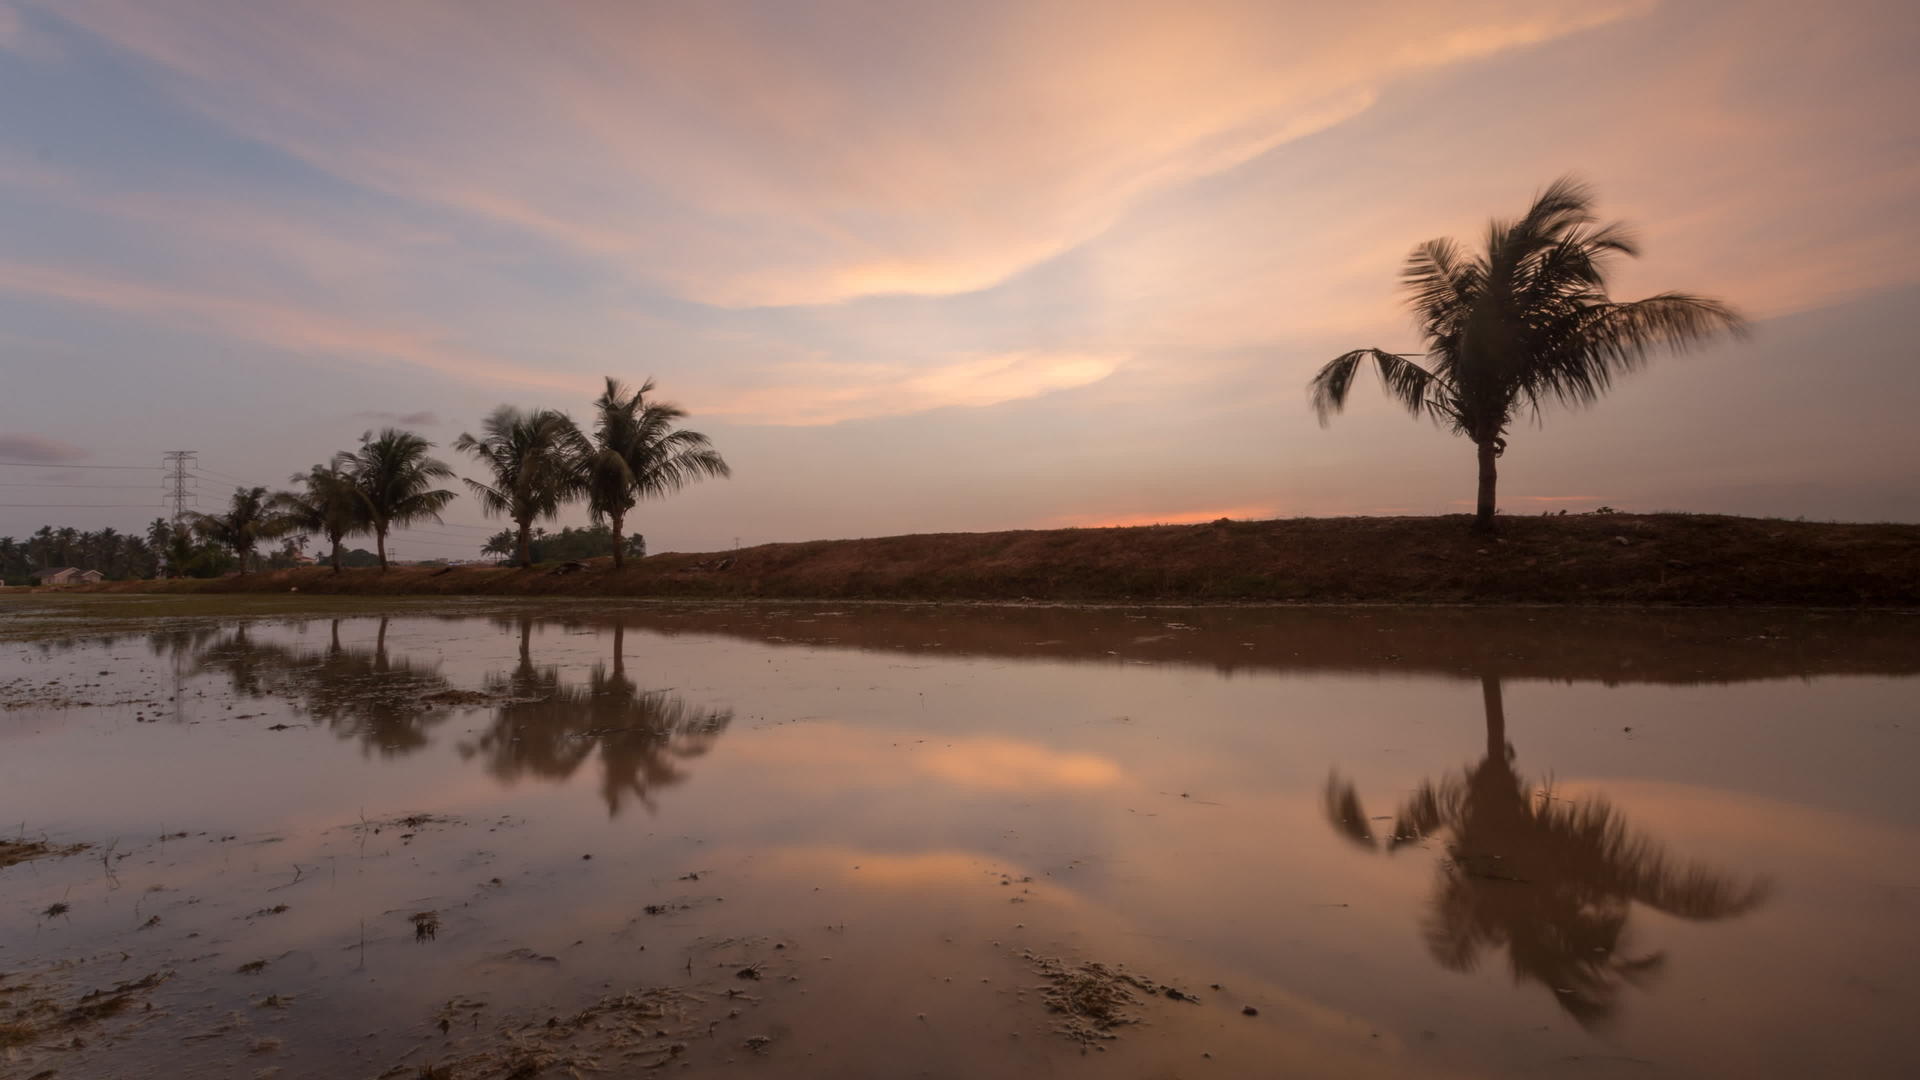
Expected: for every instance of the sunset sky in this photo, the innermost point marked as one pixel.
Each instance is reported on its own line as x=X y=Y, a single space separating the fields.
x=937 y=266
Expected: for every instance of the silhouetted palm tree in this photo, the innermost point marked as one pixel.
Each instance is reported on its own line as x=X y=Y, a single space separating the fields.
x=638 y=454
x=1550 y=879
x=535 y=458
x=247 y=521
x=329 y=504
x=395 y=479
x=1523 y=323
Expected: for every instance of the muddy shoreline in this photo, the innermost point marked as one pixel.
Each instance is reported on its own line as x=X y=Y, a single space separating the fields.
x=1687 y=560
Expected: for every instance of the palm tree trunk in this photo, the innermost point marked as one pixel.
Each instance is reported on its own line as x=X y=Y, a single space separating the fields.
x=1496 y=711
x=617 y=545
x=380 y=542
x=1489 y=476
x=336 y=554
x=525 y=544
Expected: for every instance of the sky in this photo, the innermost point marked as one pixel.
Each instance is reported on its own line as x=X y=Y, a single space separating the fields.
x=924 y=267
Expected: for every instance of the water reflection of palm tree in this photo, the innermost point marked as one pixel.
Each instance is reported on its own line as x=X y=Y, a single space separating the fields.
x=1550 y=879
x=362 y=694
x=548 y=728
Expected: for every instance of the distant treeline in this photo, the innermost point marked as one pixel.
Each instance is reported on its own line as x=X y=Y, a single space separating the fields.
x=162 y=550
x=567 y=545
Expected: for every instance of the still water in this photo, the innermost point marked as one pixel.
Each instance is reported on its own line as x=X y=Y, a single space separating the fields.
x=487 y=840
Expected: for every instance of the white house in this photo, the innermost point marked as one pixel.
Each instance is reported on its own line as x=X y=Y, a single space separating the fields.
x=71 y=575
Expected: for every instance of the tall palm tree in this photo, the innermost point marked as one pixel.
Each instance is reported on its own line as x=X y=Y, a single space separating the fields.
x=159 y=539
x=395 y=478
x=328 y=504
x=1551 y=880
x=638 y=454
x=535 y=458
x=1524 y=323
x=248 y=520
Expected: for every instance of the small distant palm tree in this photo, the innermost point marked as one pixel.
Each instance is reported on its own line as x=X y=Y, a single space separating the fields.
x=535 y=458
x=638 y=454
x=328 y=504
x=248 y=520
x=395 y=479
x=500 y=543
x=1525 y=322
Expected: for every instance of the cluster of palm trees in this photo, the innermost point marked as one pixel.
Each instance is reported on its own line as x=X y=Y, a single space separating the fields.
x=110 y=551
x=537 y=462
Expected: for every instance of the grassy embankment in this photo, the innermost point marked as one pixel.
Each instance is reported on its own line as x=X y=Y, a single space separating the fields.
x=1588 y=559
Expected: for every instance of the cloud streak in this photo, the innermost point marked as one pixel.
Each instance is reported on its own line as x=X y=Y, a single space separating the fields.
x=742 y=157
x=281 y=327
x=811 y=394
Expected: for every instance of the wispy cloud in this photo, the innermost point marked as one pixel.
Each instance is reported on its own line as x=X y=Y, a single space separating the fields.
x=423 y=418
x=38 y=449
x=806 y=394
x=280 y=326
x=744 y=159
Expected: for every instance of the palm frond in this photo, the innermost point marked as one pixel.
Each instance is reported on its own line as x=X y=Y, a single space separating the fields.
x=1404 y=381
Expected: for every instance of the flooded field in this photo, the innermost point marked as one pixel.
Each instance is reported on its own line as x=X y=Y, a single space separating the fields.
x=473 y=839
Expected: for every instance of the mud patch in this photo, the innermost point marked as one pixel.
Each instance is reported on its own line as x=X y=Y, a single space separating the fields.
x=36 y=1012
x=13 y=852
x=1092 y=1000
x=636 y=1029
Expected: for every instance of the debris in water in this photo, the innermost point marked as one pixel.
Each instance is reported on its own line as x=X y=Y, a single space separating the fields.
x=1092 y=998
x=19 y=851
x=426 y=925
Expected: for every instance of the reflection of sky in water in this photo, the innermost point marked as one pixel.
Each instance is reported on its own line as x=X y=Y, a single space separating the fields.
x=1693 y=845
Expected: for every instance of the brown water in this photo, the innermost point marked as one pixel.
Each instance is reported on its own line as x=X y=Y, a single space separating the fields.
x=856 y=842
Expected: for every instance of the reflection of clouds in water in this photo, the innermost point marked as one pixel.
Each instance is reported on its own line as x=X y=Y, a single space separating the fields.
x=875 y=759
x=1549 y=879
x=1008 y=764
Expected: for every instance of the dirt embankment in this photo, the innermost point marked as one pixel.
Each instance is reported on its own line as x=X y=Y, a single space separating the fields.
x=1589 y=559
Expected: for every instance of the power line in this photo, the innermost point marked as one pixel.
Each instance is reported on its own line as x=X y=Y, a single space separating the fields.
x=79 y=506
x=435 y=543
x=436 y=533
x=96 y=487
x=46 y=465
